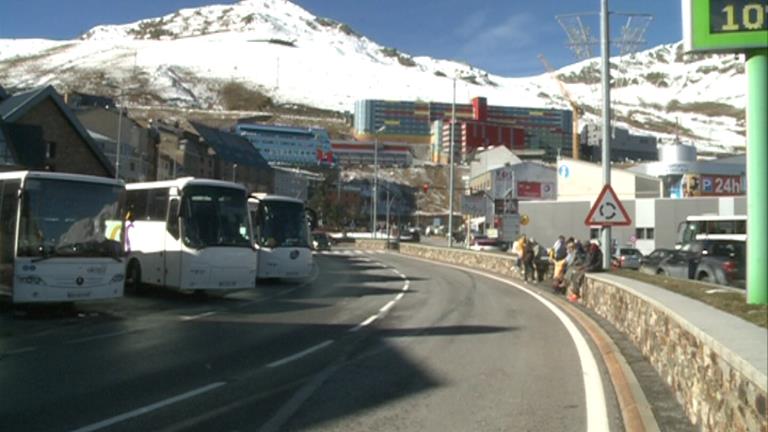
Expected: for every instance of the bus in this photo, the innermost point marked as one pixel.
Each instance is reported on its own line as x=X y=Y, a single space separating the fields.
x=281 y=236
x=61 y=237
x=189 y=234
x=711 y=227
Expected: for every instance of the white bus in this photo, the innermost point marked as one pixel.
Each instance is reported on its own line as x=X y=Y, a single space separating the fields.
x=189 y=234
x=712 y=227
x=281 y=236
x=61 y=237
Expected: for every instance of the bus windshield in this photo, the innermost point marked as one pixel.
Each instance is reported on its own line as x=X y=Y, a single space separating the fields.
x=282 y=224
x=61 y=218
x=215 y=216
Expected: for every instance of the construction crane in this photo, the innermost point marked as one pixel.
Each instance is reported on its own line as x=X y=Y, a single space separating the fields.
x=577 y=111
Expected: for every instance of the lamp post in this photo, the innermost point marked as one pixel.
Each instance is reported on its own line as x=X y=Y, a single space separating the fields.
x=606 y=153
x=234 y=172
x=375 y=194
x=117 y=149
x=450 y=170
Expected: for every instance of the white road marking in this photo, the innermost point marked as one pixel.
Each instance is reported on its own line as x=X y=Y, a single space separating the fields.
x=407 y=285
x=101 y=336
x=387 y=306
x=149 y=408
x=597 y=415
x=299 y=354
x=194 y=317
x=368 y=321
x=18 y=351
x=399 y=296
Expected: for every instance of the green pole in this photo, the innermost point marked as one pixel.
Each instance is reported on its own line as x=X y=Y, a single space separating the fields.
x=757 y=180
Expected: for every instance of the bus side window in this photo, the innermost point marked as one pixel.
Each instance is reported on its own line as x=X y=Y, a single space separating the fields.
x=9 y=198
x=172 y=223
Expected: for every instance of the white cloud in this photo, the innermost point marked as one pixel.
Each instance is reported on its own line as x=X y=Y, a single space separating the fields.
x=516 y=31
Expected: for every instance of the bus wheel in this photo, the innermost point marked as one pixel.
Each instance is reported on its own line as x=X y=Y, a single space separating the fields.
x=133 y=278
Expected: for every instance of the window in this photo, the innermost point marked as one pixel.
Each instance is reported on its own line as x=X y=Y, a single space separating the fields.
x=9 y=193
x=639 y=233
x=172 y=224
x=594 y=233
x=158 y=204
x=649 y=233
x=136 y=204
x=50 y=149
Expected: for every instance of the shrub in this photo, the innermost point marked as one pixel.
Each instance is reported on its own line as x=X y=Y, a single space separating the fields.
x=236 y=96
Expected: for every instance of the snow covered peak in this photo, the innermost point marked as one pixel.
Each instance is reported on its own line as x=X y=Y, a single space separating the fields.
x=274 y=17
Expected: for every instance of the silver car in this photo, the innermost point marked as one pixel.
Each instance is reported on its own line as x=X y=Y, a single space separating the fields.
x=628 y=257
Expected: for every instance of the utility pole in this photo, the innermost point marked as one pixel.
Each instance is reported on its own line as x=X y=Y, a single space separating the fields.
x=117 y=147
x=375 y=196
x=606 y=82
x=451 y=168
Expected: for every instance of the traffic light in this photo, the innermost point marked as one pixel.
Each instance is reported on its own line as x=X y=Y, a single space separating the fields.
x=425 y=187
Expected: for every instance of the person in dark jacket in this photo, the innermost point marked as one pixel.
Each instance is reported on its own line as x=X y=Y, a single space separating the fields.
x=528 y=260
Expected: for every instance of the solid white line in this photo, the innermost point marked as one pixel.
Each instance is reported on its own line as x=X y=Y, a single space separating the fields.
x=399 y=296
x=407 y=285
x=299 y=354
x=194 y=317
x=387 y=306
x=149 y=408
x=597 y=415
x=369 y=320
x=101 y=336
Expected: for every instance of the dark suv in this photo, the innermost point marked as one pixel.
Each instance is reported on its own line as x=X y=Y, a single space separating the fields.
x=721 y=261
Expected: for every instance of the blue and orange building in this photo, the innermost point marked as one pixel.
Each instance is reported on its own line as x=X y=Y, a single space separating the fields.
x=546 y=132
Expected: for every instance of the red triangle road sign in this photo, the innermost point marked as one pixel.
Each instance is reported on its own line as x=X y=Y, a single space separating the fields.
x=608 y=210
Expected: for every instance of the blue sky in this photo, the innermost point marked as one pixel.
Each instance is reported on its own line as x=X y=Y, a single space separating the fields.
x=501 y=36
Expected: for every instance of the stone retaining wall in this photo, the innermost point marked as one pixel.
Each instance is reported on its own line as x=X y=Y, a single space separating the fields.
x=718 y=390
x=370 y=244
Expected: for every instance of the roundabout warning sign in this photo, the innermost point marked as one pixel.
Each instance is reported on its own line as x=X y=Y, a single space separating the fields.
x=607 y=210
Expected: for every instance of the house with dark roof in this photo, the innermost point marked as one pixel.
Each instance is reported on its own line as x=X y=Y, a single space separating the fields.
x=40 y=132
x=234 y=159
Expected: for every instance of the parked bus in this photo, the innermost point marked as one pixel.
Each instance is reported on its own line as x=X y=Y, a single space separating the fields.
x=281 y=236
x=61 y=237
x=712 y=227
x=189 y=234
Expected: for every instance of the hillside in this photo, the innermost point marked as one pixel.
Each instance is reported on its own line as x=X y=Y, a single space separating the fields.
x=266 y=55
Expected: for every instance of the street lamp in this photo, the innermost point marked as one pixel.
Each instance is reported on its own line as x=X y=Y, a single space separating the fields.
x=117 y=149
x=450 y=161
x=375 y=195
x=234 y=172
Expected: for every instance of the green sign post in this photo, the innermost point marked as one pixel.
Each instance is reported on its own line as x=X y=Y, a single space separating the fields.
x=742 y=26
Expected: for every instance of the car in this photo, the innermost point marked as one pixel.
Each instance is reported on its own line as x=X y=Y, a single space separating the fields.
x=650 y=263
x=483 y=243
x=678 y=263
x=721 y=262
x=628 y=257
x=321 y=241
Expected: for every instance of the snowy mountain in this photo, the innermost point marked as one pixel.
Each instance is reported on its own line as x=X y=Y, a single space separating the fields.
x=255 y=52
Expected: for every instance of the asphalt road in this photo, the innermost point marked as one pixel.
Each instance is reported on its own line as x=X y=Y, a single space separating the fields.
x=373 y=342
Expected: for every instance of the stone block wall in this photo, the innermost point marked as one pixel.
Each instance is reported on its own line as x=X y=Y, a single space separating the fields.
x=718 y=390
x=492 y=262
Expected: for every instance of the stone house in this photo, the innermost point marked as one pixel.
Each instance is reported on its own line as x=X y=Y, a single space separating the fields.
x=40 y=132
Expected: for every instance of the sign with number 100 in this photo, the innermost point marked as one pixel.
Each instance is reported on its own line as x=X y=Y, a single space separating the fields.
x=737 y=15
x=725 y=25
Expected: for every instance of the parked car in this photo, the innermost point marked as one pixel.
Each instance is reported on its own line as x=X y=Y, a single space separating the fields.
x=321 y=241
x=722 y=262
x=628 y=257
x=483 y=243
x=410 y=235
x=650 y=263
x=678 y=263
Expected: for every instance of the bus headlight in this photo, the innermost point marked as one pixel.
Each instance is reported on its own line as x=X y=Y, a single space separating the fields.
x=117 y=278
x=31 y=280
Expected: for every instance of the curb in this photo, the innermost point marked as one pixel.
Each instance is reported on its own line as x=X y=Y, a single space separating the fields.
x=635 y=409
